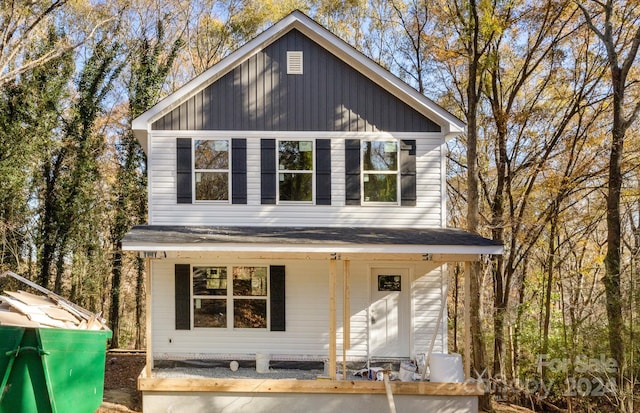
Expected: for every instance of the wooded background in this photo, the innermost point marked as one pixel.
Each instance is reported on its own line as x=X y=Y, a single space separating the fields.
x=549 y=89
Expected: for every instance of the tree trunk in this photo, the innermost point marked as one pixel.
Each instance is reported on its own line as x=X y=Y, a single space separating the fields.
x=611 y=279
x=549 y=288
x=47 y=228
x=60 y=269
x=116 y=280
x=518 y=328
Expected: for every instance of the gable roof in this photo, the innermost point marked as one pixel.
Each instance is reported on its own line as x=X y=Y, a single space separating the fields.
x=298 y=20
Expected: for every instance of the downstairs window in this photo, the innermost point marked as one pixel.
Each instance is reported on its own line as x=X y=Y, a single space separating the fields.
x=230 y=296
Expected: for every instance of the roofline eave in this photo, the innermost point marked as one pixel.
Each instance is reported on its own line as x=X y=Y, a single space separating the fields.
x=315 y=249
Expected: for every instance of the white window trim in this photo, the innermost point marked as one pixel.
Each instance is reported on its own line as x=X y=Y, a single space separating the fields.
x=367 y=172
x=313 y=171
x=195 y=297
x=194 y=170
x=230 y=297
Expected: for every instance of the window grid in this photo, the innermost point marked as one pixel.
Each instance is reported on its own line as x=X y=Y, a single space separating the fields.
x=367 y=174
x=283 y=171
x=232 y=301
x=200 y=172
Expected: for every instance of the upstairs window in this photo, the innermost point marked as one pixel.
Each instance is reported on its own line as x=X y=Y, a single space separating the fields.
x=211 y=169
x=295 y=170
x=380 y=172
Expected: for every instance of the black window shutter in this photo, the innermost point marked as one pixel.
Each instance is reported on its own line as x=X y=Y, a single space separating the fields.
x=183 y=296
x=277 y=298
x=268 y=171
x=408 y=172
x=323 y=172
x=183 y=170
x=352 y=171
x=238 y=171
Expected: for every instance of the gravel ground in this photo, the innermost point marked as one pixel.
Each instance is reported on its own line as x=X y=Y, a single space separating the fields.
x=299 y=370
x=241 y=373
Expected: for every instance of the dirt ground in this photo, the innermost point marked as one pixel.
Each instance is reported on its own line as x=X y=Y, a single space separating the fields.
x=120 y=383
x=121 y=395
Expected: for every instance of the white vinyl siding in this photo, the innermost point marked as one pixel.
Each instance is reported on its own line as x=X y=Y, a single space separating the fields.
x=428 y=212
x=306 y=324
x=307 y=300
x=428 y=292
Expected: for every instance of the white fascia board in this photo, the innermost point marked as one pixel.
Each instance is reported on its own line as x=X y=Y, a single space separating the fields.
x=310 y=248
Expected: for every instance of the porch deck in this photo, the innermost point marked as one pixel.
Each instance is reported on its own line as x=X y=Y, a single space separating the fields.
x=199 y=390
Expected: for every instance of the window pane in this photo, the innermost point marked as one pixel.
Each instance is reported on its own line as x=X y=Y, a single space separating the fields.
x=296 y=155
x=250 y=313
x=212 y=154
x=250 y=281
x=380 y=188
x=212 y=186
x=209 y=280
x=209 y=312
x=296 y=186
x=379 y=155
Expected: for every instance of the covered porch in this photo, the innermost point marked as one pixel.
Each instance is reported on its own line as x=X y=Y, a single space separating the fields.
x=343 y=258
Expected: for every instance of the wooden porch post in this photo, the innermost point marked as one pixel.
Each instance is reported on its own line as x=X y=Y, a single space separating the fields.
x=346 y=314
x=149 y=352
x=332 y=319
x=467 y=320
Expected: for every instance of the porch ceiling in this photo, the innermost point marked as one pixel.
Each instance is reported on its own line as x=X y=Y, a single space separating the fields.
x=308 y=240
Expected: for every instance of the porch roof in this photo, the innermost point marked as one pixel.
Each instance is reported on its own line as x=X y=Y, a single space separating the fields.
x=308 y=239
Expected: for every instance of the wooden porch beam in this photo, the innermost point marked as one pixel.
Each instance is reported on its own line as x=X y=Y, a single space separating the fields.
x=454 y=257
x=151 y=384
x=351 y=256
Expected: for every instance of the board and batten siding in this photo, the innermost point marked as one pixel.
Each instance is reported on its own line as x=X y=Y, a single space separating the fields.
x=258 y=95
x=164 y=210
x=307 y=298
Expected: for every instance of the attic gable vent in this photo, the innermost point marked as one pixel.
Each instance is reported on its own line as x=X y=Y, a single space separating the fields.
x=294 y=63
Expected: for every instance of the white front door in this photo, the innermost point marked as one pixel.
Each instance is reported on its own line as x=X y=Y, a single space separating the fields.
x=389 y=318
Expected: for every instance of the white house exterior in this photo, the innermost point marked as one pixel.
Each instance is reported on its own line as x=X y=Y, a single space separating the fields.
x=297 y=209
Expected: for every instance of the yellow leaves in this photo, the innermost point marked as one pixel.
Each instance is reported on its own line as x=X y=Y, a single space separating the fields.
x=255 y=13
x=80 y=6
x=490 y=21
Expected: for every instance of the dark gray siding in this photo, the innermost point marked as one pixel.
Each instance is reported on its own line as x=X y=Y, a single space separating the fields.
x=330 y=96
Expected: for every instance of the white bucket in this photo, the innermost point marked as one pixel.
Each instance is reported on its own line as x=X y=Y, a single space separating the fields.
x=262 y=363
x=446 y=368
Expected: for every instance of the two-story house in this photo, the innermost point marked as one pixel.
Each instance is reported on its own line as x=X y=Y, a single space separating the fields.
x=297 y=210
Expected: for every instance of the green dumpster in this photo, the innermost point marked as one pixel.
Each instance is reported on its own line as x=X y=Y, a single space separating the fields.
x=51 y=370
